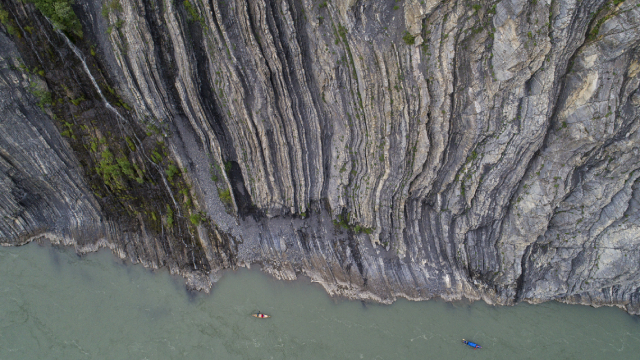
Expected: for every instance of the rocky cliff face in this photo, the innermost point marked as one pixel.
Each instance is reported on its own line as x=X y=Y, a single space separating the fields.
x=382 y=148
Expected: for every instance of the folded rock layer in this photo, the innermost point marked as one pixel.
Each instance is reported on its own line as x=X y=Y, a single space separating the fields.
x=481 y=150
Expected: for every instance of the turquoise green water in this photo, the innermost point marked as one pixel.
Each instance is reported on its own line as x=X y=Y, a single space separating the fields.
x=56 y=305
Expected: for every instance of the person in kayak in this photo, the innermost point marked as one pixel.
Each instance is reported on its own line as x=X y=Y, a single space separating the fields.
x=473 y=345
x=260 y=315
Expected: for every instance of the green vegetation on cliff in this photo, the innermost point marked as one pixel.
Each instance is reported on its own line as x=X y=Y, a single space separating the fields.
x=127 y=165
x=8 y=23
x=61 y=15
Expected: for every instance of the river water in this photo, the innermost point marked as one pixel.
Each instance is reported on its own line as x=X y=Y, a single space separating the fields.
x=57 y=305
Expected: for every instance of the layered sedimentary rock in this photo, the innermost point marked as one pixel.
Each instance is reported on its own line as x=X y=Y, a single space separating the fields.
x=382 y=148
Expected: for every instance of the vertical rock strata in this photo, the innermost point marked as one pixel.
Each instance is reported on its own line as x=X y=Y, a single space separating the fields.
x=486 y=150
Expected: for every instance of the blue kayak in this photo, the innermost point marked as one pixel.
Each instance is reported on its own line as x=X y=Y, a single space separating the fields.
x=472 y=344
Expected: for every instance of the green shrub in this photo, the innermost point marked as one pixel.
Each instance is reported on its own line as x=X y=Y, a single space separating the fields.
x=113 y=5
x=130 y=143
x=77 y=101
x=156 y=157
x=342 y=31
x=172 y=171
x=111 y=172
x=170 y=219
x=61 y=15
x=596 y=29
x=408 y=38
x=44 y=96
x=343 y=222
x=196 y=219
x=225 y=197
x=126 y=168
x=192 y=11
x=8 y=23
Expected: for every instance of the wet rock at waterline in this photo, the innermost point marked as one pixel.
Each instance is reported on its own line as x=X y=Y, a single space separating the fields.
x=418 y=148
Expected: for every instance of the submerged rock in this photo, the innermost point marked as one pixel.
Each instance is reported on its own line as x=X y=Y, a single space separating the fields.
x=383 y=149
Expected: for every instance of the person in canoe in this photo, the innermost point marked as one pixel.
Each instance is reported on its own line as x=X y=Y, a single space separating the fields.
x=473 y=345
x=261 y=316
